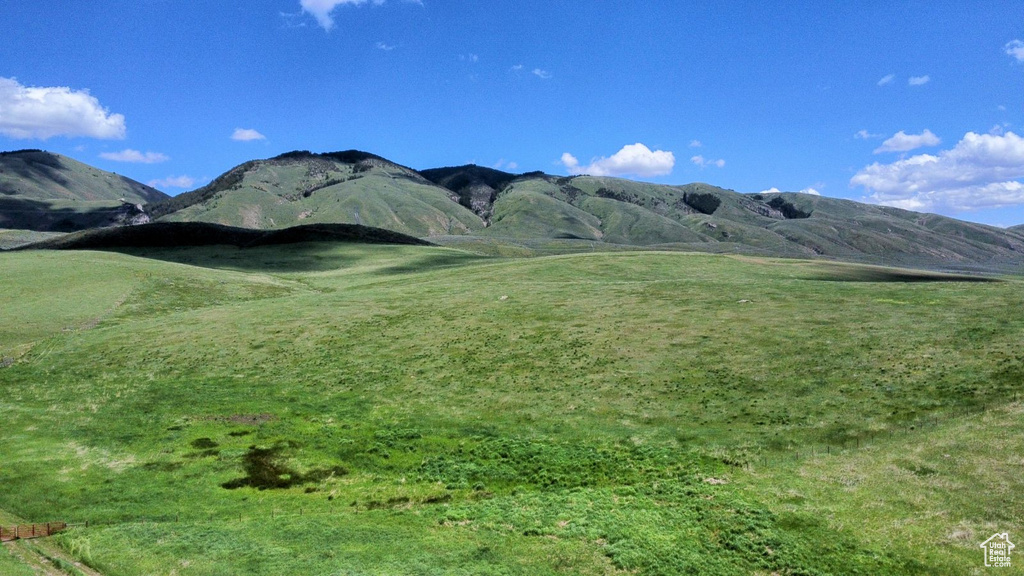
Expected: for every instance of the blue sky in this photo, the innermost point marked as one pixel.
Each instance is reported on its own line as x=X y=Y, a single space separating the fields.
x=912 y=104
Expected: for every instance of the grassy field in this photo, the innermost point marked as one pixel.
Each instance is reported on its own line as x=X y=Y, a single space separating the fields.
x=347 y=409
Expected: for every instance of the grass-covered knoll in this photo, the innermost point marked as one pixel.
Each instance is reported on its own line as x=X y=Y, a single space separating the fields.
x=15 y=238
x=304 y=188
x=421 y=410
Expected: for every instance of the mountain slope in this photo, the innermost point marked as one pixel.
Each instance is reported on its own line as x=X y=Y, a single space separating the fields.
x=703 y=217
x=39 y=175
x=343 y=187
x=475 y=204
x=48 y=192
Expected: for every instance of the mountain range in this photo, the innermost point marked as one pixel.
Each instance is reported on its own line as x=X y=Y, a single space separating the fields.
x=472 y=206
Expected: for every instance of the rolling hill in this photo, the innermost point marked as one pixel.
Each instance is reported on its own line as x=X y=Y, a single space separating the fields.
x=43 y=191
x=344 y=187
x=489 y=210
x=478 y=208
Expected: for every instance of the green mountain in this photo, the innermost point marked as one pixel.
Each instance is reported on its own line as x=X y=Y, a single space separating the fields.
x=342 y=187
x=494 y=211
x=706 y=218
x=43 y=191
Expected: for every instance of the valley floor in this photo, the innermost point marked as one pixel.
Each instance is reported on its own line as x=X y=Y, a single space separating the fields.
x=350 y=409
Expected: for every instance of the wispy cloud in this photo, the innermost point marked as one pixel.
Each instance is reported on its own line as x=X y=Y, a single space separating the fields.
x=903 y=142
x=322 y=9
x=811 y=191
x=134 y=156
x=865 y=135
x=469 y=57
x=30 y=112
x=981 y=171
x=918 y=80
x=705 y=162
x=183 y=182
x=633 y=159
x=1015 y=48
x=543 y=74
x=386 y=47
x=503 y=165
x=246 y=135
x=887 y=79
x=696 y=143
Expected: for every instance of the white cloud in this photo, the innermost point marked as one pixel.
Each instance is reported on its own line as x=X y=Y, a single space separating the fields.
x=173 y=182
x=469 y=57
x=981 y=171
x=517 y=68
x=865 y=135
x=321 y=9
x=246 y=135
x=1015 y=48
x=705 y=162
x=918 y=80
x=129 y=155
x=887 y=79
x=386 y=47
x=635 y=159
x=772 y=190
x=696 y=143
x=44 y=112
x=903 y=142
x=541 y=73
x=503 y=165
x=810 y=191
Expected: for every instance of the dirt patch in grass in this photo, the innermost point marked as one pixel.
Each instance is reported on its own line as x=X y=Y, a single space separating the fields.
x=268 y=468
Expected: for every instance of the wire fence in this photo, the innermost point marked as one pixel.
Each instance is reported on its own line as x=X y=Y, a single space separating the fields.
x=28 y=531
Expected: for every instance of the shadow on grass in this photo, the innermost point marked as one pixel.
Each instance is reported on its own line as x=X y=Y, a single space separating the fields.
x=432 y=262
x=295 y=258
x=836 y=273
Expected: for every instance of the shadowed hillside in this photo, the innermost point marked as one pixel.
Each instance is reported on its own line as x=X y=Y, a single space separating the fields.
x=174 y=234
x=43 y=191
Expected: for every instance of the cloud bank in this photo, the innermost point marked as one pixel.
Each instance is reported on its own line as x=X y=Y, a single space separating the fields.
x=134 y=156
x=29 y=112
x=903 y=142
x=981 y=171
x=633 y=159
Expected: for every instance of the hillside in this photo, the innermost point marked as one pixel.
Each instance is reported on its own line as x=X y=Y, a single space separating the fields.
x=481 y=208
x=43 y=191
x=343 y=408
x=706 y=218
x=498 y=212
x=343 y=187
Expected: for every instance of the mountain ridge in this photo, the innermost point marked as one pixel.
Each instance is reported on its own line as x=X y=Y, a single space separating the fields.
x=471 y=204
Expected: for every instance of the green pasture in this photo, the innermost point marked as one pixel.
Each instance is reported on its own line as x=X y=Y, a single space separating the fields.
x=350 y=409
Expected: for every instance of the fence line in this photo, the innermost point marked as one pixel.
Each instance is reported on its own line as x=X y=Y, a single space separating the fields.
x=28 y=531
